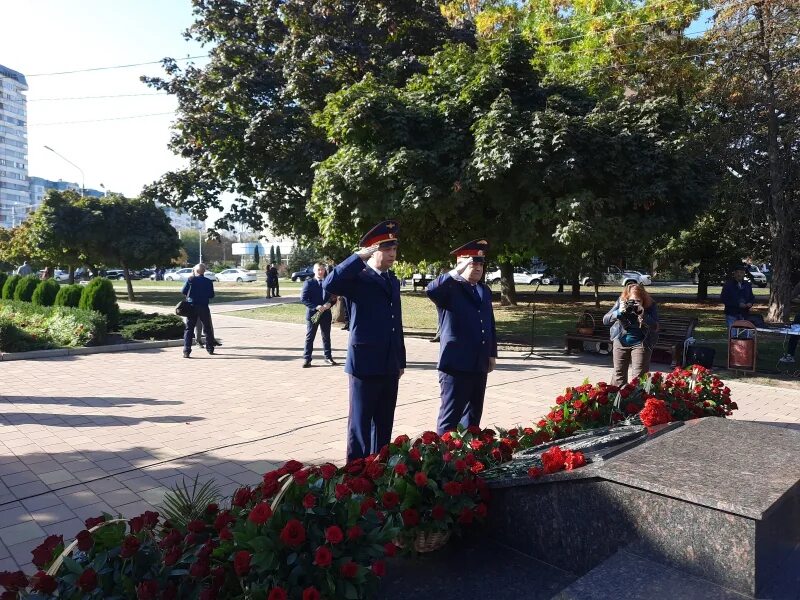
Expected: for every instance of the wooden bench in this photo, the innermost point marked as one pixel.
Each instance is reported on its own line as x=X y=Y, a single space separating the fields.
x=673 y=332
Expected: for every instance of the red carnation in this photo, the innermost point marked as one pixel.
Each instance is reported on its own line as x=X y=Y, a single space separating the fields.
x=309 y=500
x=260 y=514
x=452 y=488
x=334 y=535
x=277 y=593
x=574 y=460
x=44 y=583
x=535 y=472
x=293 y=534
x=241 y=562
x=147 y=590
x=241 y=497
x=85 y=540
x=349 y=569
x=327 y=471
x=390 y=549
x=410 y=517
x=414 y=455
x=655 y=412
x=311 y=593
x=390 y=499
x=553 y=460
x=323 y=557
x=354 y=533
x=401 y=469
x=438 y=513
x=292 y=466
x=13 y=581
x=477 y=467
x=420 y=479
x=87 y=581
x=379 y=568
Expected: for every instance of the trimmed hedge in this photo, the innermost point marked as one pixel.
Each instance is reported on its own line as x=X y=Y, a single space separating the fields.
x=9 y=286
x=25 y=288
x=68 y=295
x=24 y=327
x=3 y=278
x=137 y=325
x=45 y=293
x=99 y=295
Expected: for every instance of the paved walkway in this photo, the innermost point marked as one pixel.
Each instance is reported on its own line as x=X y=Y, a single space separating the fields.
x=112 y=432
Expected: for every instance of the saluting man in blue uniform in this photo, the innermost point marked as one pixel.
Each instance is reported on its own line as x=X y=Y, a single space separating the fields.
x=376 y=353
x=468 y=346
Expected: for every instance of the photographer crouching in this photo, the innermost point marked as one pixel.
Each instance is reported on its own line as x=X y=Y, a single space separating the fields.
x=634 y=331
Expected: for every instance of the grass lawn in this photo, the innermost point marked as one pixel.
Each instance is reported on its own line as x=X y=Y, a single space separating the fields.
x=167 y=293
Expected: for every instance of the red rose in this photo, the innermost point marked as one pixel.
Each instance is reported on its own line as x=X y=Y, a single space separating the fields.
x=136 y=524
x=458 y=444
x=390 y=499
x=401 y=469
x=342 y=491
x=311 y=593
x=225 y=535
x=333 y=534
x=323 y=557
x=222 y=520
x=383 y=455
x=535 y=472
x=468 y=486
x=420 y=479
x=270 y=488
x=354 y=533
x=477 y=467
x=277 y=593
x=241 y=497
x=481 y=511
x=301 y=477
x=414 y=455
x=375 y=470
x=196 y=526
x=42 y=582
x=400 y=440
x=292 y=466
x=173 y=538
x=200 y=568
x=293 y=534
x=360 y=485
x=147 y=590
x=309 y=500
x=465 y=517
x=390 y=549
x=474 y=430
x=379 y=568
x=452 y=488
x=87 y=581
x=130 y=546
x=13 y=581
x=328 y=471
x=470 y=459
x=43 y=553
x=354 y=467
x=172 y=556
x=241 y=562
x=260 y=514
x=94 y=521
x=410 y=517
x=429 y=437
x=460 y=465
x=447 y=456
x=438 y=513
x=85 y=541
x=369 y=503
x=349 y=569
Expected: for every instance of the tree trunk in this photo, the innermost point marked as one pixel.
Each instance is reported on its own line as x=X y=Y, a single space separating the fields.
x=508 y=292
x=702 y=282
x=779 y=215
x=72 y=274
x=597 y=294
x=128 y=282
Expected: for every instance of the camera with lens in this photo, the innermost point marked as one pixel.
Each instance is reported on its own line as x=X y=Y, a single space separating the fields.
x=630 y=314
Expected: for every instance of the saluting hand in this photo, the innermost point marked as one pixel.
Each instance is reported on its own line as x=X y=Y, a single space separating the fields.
x=365 y=253
x=462 y=265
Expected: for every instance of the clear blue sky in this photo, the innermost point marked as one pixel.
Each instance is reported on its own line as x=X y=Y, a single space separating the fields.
x=46 y=36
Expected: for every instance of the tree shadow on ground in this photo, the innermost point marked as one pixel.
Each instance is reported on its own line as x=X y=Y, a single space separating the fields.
x=87 y=401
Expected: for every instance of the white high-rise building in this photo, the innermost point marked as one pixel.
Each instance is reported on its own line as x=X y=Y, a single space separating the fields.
x=15 y=200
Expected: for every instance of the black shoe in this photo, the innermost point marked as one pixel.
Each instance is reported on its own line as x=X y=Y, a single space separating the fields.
x=210 y=350
x=277 y=295
x=346 y=328
x=307 y=364
x=331 y=362
x=217 y=343
x=200 y=344
x=187 y=355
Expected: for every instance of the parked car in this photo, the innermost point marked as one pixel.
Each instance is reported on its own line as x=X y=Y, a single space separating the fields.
x=118 y=274
x=520 y=276
x=237 y=275
x=167 y=272
x=616 y=276
x=58 y=275
x=185 y=273
x=756 y=276
x=145 y=273
x=303 y=274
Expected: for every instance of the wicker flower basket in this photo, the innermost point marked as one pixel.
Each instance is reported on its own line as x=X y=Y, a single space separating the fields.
x=586 y=324
x=427 y=541
x=68 y=550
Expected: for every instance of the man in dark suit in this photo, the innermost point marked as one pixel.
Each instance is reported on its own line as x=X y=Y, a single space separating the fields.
x=376 y=353
x=318 y=305
x=468 y=347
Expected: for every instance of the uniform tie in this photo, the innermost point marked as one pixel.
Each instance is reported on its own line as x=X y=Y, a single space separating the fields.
x=476 y=293
x=385 y=276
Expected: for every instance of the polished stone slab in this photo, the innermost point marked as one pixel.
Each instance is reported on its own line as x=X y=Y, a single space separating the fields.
x=736 y=466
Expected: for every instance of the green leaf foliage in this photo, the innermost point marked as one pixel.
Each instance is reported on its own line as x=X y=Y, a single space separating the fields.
x=68 y=295
x=154 y=327
x=99 y=295
x=9 y=286
x=30 y=327
x=25 y=288
x=45 y=293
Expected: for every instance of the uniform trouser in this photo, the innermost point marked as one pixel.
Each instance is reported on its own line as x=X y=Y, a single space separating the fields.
x=311 y=333
x=462 y=399
x=203 y=314
x=637 y=358
x=372 y=404
x=273 y=289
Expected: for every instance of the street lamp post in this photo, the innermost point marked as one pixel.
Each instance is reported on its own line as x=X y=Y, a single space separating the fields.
x=83 y=177
x=200 y=241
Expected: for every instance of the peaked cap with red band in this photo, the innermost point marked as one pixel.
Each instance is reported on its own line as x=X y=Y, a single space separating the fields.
x=384 y=233
x=476 y=249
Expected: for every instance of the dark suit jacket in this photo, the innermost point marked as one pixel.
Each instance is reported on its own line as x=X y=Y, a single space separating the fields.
x=376 y=344
x=314 y=295
x=467 y=328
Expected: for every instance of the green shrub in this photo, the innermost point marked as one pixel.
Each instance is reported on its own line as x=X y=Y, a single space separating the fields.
x=31 y=327
x=129 y=316
x=154 y=327
x=45 y=293
x=9 y=286
x=25 y=288
x=68 y=295
x=3 y=277
x=99 y=295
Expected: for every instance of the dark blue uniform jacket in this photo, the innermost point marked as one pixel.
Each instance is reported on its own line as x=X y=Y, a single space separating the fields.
x=314 y=295
x=467 y=330
x=376 y=344
x=200 y=290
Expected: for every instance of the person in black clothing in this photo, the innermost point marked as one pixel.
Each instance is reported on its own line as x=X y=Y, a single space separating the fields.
x=199 y=290
x=272 y=282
